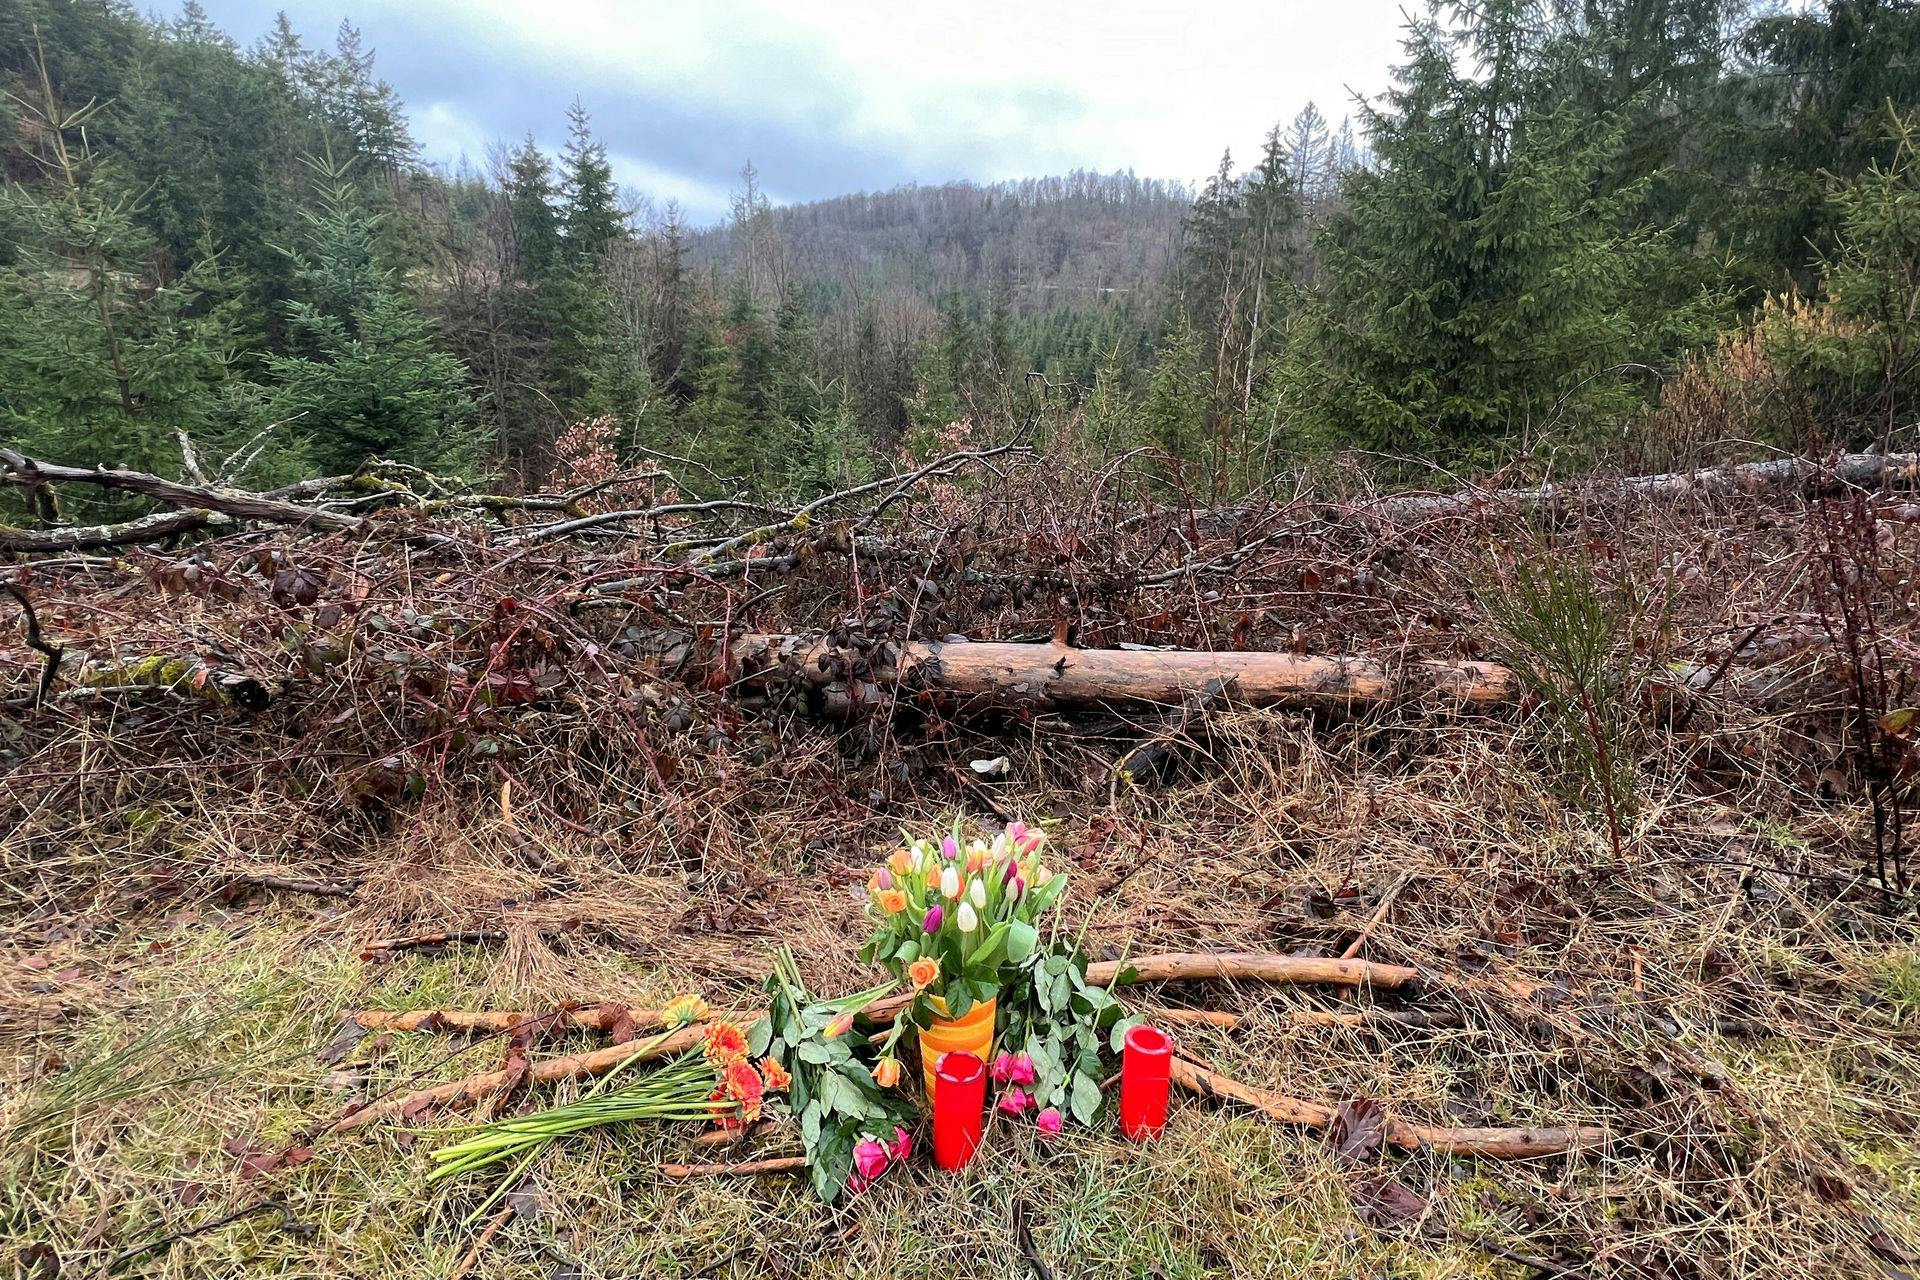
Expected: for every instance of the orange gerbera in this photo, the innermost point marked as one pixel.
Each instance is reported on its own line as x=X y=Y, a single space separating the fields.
x=726 y=1044
x=923 y=971
x=744 y=1085
x=892 y=901
x=775 y=1075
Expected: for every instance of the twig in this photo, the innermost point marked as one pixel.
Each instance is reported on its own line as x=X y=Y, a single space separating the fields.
x=37 y=642
x=487 y=1234
x=287 y=1222
x=1379 y=914
x=743 y=1168
x=1494 y=1143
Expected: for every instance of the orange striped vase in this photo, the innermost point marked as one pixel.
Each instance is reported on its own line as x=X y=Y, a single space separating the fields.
x=971 y=1034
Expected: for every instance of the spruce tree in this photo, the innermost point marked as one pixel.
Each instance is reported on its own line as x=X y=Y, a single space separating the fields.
x=1476 y=282
x=365 y=378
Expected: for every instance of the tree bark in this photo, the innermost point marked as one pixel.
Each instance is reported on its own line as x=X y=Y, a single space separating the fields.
x=1052 y=677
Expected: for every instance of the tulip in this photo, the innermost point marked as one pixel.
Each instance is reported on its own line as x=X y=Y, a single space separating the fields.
x=1049 y=1121
x=1018 y=890
x=838 y=1027
x=1015 y=830
x=977 y=895
x=968 y=920
x=950 y=883
x=949 y=848
x=886 y=1072
x=1012 y=871
x=1031 y=841
x=884 y=880
x=934 y=916
x=902 y=1145
x=976 y=860
x=1015 y=1102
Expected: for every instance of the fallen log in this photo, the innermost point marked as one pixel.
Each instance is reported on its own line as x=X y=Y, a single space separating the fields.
x=31 y=473
x=1865 y=470
x=1496 y=1143
x=1048 y=677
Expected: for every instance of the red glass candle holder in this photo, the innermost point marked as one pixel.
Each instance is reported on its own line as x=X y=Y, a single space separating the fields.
x=959 y=1108
x=1145 y=1072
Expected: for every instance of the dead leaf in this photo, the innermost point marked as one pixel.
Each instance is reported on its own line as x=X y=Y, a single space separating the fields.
x=1832 y=1188
x=524 y=1200
x=344 y=1042
x=39 y=1261
x=1384 y=1201
x=1359 y=1127
x=620 y=1020
x=1892 y=1250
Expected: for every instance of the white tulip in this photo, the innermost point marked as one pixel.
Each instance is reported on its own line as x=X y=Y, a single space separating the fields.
x=950 y=883
x=968 y=920
x=977 y=893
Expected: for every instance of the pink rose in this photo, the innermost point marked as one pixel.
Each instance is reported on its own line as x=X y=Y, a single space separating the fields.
x=870 y=1159
x=1015 y=1102
x=1049 y=1121
x=1002 y=1070
x=902 y=1144
x=1021 y=1071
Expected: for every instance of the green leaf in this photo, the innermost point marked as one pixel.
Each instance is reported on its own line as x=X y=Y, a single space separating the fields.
x=909 y=951
x=1021 y=938
x=840 y=1097
x=818 y=1052
x=810 y=1125
x=760 y=1037
x=1086 y=1098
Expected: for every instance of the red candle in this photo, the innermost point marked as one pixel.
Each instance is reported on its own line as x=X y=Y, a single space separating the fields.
x=959 y=1103
x=1145 y=1067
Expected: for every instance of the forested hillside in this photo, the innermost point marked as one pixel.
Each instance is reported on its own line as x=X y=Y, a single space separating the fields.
x=1560 y=228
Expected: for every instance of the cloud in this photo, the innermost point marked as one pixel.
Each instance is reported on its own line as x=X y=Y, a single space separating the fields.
x=859 y=95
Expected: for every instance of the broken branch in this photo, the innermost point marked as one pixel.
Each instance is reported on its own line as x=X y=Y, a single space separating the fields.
x=1503 y=1144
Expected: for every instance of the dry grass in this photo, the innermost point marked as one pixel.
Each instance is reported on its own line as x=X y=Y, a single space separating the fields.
x=1725 y=996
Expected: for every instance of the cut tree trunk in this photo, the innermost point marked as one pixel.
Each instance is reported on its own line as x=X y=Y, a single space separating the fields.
x=1050 y=677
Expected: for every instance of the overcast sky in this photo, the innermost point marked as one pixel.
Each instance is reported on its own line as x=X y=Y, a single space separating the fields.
x=835 y=96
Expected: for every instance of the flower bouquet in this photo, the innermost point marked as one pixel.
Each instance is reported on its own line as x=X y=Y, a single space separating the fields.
x=716 y=1082
x=852 y=1126
x=957 y=921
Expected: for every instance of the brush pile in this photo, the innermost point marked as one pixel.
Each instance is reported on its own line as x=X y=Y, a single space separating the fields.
x=551 y=725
